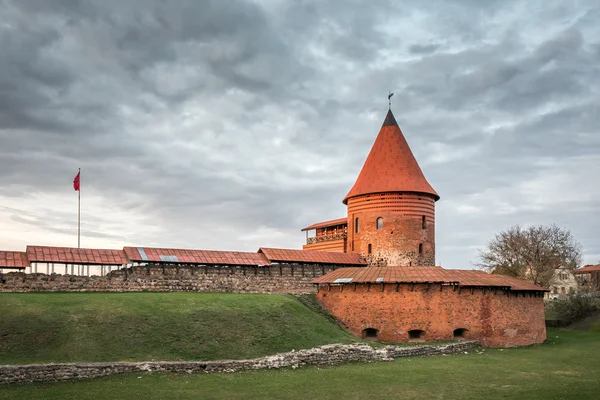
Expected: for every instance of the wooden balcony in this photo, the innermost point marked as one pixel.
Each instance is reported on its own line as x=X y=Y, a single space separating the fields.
x=326 y=238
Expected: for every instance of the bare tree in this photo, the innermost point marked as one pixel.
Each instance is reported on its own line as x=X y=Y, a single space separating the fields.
x=531 y=253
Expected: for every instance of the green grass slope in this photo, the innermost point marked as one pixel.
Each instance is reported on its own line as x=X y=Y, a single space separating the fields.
x=67 y=327
x=565 y=367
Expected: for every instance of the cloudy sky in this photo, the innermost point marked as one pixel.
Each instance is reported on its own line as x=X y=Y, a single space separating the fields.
x=231 y=125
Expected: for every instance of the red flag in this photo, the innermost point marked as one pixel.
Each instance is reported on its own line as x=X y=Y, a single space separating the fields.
x=76 y=182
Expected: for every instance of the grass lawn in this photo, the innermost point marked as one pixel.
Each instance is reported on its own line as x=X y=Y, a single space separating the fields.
x=567 y=366
x=67 y=327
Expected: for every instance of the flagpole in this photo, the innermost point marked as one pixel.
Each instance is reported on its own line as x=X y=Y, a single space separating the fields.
x=79 y=212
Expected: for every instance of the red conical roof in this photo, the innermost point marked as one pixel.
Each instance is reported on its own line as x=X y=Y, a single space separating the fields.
x=390 y=166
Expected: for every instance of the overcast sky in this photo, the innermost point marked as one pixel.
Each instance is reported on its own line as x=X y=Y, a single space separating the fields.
x=231 y=125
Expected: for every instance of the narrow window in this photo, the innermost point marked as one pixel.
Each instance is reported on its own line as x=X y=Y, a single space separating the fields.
x=356 y=227
x=423 y=222
x=416 y=334
x=420 y=248
x=460 y=333
x=369 y=248
x=379 y=223
x=370 y=333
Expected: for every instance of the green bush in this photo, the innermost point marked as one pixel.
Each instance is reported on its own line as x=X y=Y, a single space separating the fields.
x=574 y=306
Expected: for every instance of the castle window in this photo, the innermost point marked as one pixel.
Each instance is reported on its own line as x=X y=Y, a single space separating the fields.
x=379 y=223
x=420 y=248
x=356 y=225
x=423 y=222
x=369 y=248
x=370 y=333
x=460 y=333
x=416 y=334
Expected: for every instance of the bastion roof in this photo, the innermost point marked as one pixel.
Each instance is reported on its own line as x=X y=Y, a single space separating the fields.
x=421 y=274
x=390 y=166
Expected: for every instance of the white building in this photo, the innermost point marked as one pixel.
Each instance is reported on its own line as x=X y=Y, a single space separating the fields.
x=563 y=282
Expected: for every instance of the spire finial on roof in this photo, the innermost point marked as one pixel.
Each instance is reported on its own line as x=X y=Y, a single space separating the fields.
x=389 y=119
x=390 y=94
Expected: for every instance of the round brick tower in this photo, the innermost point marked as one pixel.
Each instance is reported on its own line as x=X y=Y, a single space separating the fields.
x=391 y=207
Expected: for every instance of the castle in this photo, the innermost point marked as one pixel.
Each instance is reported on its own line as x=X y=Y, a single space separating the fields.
x=391 y=208
x=374 y=270
x=401 y=296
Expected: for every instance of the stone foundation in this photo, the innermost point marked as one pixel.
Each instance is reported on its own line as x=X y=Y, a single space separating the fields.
x=282 y=278
x=330 y=354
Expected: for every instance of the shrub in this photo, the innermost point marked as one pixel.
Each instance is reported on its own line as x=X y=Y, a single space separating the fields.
x=575 y=305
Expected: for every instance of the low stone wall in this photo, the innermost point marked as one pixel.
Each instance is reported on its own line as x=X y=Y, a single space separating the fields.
x=283 y=278
x=330 y=354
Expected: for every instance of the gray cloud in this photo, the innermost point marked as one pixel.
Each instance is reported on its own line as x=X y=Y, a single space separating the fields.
x=423 y=48
x=203 y=125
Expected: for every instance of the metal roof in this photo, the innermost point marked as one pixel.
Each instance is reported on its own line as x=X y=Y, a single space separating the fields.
x=13 y=259
x=264 y=256
x=312 y=257
x=204 y=257
x=71 y=255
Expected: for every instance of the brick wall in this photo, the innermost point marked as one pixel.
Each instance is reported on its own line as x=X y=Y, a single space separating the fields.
x=338 y=246
x=269 y=279
x=504 y=318
x=398 y=242
x=324 y=355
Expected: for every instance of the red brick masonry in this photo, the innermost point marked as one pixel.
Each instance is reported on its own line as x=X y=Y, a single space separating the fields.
x=502 y=319
x=491 y=312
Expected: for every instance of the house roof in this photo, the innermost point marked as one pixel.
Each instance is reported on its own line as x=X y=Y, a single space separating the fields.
x=326 y=224
x=183 y=256
x=312 y=257
x=390 y=166
x=71 y=255
x=13 y=259
x=419 y=274
x=586 y=269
